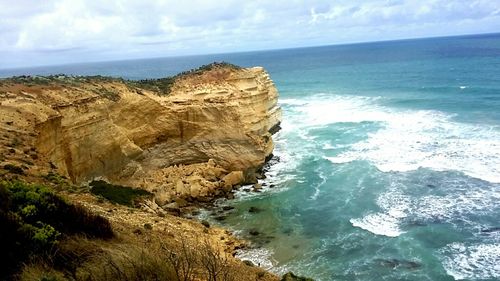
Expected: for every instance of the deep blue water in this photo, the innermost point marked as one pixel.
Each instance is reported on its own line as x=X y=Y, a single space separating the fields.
x=389 y=158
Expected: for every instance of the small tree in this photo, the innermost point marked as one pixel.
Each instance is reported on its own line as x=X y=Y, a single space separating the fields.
x=216 y=265
x=183 y=262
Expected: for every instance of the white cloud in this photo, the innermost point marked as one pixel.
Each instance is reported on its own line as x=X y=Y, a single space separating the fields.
x=59 y=31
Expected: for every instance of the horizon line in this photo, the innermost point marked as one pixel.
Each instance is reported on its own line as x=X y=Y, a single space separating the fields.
x=252 y=51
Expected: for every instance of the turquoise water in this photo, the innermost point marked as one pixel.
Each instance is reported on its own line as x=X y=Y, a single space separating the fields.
x=388 y=163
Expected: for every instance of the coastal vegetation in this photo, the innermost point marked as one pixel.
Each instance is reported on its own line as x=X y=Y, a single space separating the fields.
x=163 y=85
x=118 y=194
x=160 y=86
x=58 y=226
x=45 y=237
x=34 y=221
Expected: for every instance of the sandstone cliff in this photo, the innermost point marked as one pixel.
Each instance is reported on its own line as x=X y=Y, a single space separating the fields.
x=211 y=132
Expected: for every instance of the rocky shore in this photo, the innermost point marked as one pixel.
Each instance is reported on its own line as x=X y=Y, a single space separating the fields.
x=187 y=140
x=211 y=132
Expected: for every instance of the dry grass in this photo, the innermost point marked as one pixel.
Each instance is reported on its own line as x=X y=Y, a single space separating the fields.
x=40 y=272
x=84 y=259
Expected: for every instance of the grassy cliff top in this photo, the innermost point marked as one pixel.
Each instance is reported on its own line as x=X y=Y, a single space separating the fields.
x=161 y=86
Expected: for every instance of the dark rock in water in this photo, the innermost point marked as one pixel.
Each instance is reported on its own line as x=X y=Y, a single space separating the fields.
x=267 y=159
x=251 y=179
x=260 y=240
x=220 y=218
x=287 y=231
x=254 y=232
x=490 y=230
x=411 y=265
x=257 y=186
x=205 y=223
x=431 y=186
x=296 y=246
x=254 y=210
x=272 y=186
x=292 y=277
x=416 y=223
x=249 y=263
x=227 y=208
x=261 y=176
x=396 y=263
x=274 y=129
x=390 y=263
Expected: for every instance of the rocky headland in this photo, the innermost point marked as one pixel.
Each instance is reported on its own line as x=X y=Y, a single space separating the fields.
x=210 y=132
x=185 y=139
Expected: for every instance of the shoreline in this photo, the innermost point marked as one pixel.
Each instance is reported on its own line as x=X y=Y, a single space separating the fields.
x=185 y=141
x=217 y=212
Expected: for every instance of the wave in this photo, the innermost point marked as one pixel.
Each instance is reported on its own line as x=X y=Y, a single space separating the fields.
x=324 y=109
x=258 y=256
x=472 y=262
x=317 y=187
x=451 y=201
x=408 y=139
x=379 y=224
x=405 y=141
x=394 y=208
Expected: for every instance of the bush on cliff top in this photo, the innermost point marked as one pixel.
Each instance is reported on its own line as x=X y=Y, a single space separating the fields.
x=164 y=85
x=122 y=195
x=33 y=220
x=161 y=86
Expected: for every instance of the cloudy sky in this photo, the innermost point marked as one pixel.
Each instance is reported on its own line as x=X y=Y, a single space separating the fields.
x=42 y=32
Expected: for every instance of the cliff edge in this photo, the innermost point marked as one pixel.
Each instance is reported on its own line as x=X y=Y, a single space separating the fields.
x=210 y=131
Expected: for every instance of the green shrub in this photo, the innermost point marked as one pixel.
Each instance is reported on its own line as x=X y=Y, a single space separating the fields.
x=33 y=219
x=122 y=195
x=55 y=178
x=163 y=85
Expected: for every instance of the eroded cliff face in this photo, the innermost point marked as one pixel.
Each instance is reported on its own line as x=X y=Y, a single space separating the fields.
x=210 y=133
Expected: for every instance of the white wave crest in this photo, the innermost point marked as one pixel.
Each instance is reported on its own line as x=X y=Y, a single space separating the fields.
x=259 y=256
x=379 y=224
x=394 y=207
x=408 y=139
x=472 y=262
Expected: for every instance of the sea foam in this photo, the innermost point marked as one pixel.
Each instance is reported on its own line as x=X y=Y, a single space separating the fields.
x=476 y=261
x=408 y=139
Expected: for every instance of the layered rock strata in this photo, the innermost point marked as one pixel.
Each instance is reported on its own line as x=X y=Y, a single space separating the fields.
x=210 y=133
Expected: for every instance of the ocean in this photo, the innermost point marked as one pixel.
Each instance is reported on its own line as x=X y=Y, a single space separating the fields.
x=387 y=166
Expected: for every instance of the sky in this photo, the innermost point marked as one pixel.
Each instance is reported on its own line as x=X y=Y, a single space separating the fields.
x=48 y=32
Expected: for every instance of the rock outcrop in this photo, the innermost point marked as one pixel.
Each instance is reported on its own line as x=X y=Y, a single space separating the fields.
x=210 y=133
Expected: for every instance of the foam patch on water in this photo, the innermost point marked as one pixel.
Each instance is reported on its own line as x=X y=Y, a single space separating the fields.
x=454 y=203
x=394 y=207
x=408 y=140
x=458 y=204
x=379 y=223
x=472 y=262
x=323 y=109
x=259 y=257
x=317 y=187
